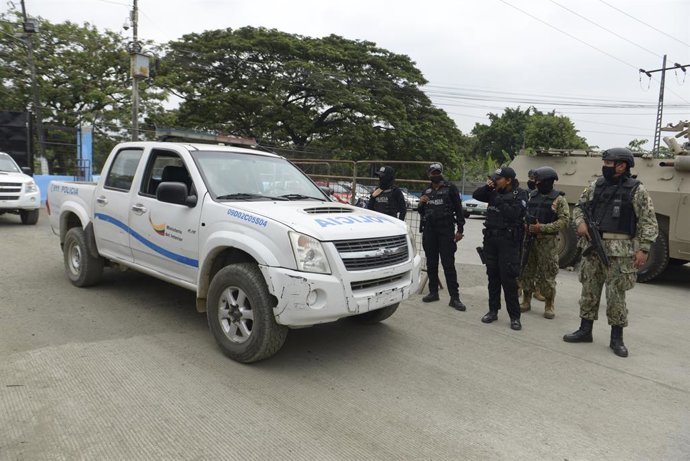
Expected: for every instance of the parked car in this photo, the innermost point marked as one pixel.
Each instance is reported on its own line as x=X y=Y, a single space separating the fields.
x=19 y=193
x=473 y=207
x=411 y=200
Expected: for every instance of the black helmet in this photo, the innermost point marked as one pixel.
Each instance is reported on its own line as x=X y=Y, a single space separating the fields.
x=530 y=174
x=545 y=173
x=619 y=154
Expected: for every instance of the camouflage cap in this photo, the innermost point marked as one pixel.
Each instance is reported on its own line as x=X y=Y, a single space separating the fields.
x=435 y=167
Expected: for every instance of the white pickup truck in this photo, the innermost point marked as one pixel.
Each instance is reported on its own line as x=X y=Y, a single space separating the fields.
x=260 y=244
x=19 y=193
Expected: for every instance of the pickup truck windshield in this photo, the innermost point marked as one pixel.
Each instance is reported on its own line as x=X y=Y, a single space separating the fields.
x=238 y=176
x=7 y=164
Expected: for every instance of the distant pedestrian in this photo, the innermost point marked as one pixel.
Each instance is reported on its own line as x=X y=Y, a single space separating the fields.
x=388 y=198
x=440 y=208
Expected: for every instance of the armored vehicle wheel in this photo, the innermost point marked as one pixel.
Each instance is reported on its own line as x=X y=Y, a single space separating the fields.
x=676 y=262
x=379 y=315
x=29 y=216
x=657 y=261
x=82 y=268
x=240 y=314
x=568 y=252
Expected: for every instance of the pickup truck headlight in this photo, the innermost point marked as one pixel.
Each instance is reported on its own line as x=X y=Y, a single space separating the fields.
x=30 y=187
x=309 y=254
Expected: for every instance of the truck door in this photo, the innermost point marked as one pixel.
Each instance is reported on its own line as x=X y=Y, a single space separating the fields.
x=165 y=235
x=111 y=207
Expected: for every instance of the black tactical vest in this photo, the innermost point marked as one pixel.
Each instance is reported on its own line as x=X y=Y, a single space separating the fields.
x=384 y=203
x=540 y=207
x=612 y=206
x=495 y=220
x=438 y=208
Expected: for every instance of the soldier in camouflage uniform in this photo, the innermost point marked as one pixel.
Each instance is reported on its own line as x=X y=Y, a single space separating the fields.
x=547 y=214
x=623 y=209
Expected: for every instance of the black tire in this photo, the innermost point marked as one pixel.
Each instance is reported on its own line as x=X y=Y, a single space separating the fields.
x=29 y=216
x=568 y=252
x=677 y=262
x=379 y=315
x=657 y=260
x=240 y=314
x=82 y=268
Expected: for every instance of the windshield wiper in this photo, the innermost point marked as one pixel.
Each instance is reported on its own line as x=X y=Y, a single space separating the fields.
x=247 y=196
x=302 y=197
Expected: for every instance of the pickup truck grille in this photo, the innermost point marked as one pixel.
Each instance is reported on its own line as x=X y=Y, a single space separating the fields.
x=363 y=254
x=9 y=197
x=375 y=283
x=10 y=188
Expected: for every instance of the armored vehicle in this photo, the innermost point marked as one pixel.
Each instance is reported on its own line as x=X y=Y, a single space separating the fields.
x=667 y=180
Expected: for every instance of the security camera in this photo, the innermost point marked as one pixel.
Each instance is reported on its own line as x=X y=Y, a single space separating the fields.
x=125 y=26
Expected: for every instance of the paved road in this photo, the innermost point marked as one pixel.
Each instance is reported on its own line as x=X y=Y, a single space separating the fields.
x=128 y=370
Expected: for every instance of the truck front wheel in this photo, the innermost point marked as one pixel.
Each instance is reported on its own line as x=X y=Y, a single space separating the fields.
x=29 y=216
x=379 y=315
x=240 y=314
x=82 y=268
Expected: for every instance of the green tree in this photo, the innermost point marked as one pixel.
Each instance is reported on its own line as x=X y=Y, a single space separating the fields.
x=83 y=78
x=348 y=97
x=504 y=136
x=552 y=131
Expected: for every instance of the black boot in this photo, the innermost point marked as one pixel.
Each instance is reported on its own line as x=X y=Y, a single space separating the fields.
x=583 y=335
x=432 y=296
x=490 y=316
x=455 y=303
x=617 y=342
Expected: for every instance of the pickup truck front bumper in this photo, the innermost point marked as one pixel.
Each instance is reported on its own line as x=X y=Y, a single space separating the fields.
x=30 y=201
x=308 y=299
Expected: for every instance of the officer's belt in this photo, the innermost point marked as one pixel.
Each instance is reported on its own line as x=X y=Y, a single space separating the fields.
x=615 y=236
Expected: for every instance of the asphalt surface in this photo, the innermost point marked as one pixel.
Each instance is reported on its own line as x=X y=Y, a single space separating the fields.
x=127 y=370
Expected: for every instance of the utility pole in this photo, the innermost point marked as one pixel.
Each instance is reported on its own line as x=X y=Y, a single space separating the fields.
x=134 y=49
x=30 y=28
x=660 y=107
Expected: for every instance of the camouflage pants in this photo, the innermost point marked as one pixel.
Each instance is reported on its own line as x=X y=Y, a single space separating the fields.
x=619 y=277
x=541 y=269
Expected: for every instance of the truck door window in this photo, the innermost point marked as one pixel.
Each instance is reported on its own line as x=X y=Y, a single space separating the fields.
x=164 y=166
x=122 y=169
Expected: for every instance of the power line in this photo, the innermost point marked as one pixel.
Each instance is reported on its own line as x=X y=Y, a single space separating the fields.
x=604 y=28
x=642 y=22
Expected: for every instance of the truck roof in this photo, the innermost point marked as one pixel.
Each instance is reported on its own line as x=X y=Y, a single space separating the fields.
x=201 y=146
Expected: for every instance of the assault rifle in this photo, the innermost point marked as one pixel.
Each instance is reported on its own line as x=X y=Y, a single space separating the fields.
x=595 y=242
x=528 y=243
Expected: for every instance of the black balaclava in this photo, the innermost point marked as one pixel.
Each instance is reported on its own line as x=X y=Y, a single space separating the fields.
x=544 y=187
x=437 y=178
x=386 y=178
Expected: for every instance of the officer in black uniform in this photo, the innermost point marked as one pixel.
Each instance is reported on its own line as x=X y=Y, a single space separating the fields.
x=503 y=233
x=387 y=198
x=441 y=211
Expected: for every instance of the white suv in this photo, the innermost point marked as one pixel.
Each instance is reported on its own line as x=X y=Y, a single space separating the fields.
x=19 y=193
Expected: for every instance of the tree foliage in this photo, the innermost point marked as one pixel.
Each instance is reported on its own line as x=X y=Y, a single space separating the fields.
x=348 y=97
x=82 y=78
x=515 y=129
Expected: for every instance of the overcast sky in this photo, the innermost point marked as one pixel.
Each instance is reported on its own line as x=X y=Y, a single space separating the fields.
x=579 y=57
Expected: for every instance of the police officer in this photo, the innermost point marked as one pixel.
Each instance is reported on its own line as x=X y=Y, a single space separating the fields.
x=440 y=208
x=547 y=214
x=623 y=210
x=387 y=198
x=503 y=233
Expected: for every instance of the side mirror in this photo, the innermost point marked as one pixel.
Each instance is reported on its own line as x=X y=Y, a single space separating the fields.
x=28 y=171
x=175 y=192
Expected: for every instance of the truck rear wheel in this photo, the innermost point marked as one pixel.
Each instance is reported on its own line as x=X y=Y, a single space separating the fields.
x=568 y=252
x=240 y=314
x=29 y=216
x=657 y=260
x=379 y=315
x=82 y=268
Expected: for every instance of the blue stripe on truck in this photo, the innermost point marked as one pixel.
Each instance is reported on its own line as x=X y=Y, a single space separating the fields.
x=158 y=249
